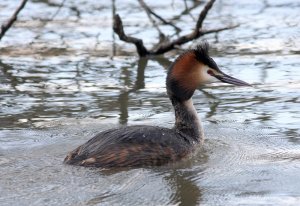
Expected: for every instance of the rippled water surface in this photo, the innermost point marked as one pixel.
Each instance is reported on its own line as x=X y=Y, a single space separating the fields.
x=64 y=77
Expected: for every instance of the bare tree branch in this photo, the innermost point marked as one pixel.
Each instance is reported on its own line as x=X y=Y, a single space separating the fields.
x=13 y=18
x=162 y=47
x=118 y=28
x=203 y=14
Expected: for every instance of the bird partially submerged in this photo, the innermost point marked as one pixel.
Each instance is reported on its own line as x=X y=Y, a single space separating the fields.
x=135 y=146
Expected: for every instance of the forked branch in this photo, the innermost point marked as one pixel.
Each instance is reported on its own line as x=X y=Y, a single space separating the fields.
x=162 y=47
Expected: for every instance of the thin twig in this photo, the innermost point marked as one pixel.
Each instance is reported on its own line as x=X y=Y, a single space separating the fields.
x=187 y=8
x=46 y=21
x=187 y=11
x=203 y=32
x=113 y=6
x=147 y=9
x=58 y=10
x=13 y=18
x=150 y=11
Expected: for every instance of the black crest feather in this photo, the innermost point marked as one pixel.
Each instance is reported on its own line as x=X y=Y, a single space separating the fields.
x=202 y=50
x=202 y=55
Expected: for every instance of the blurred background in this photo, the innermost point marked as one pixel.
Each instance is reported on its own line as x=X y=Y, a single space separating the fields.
x=65 y=76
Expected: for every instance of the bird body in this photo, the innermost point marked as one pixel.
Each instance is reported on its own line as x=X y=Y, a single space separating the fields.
x=132 y=146
x=136 y=146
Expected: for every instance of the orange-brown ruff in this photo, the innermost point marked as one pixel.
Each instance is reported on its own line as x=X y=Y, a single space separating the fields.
x=135 y=146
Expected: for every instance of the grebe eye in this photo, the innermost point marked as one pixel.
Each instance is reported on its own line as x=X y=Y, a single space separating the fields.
x=210 y=72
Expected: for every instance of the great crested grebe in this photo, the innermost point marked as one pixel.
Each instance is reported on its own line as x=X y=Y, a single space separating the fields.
x=134 y=146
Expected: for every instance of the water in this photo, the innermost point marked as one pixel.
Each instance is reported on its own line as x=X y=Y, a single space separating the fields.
x=60 y=84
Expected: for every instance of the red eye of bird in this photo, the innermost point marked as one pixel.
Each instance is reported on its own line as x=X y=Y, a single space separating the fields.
x=210 y=72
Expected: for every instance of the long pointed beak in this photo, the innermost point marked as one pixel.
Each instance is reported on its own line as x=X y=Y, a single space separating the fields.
x=231 y=80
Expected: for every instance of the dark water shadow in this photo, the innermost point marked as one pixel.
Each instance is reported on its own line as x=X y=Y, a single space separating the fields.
x=186 y=191
x=213 y=105
x=139 y=83
x=180 y=176
x=13 y=81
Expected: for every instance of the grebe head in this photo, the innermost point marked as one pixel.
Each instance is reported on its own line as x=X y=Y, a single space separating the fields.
x=192 y=69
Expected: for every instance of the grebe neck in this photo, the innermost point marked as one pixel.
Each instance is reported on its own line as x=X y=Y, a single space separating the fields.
x=186 y=119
